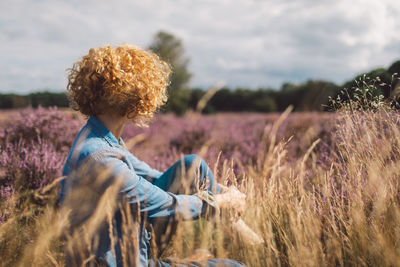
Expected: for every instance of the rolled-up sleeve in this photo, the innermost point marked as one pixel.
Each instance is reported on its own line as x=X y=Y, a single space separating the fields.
x=144 y=170
x=148 y=199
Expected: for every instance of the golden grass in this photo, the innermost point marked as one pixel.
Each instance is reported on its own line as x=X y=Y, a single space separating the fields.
x=348 y=215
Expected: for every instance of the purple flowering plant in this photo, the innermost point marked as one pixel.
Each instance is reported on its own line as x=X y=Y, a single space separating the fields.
x=33 y=149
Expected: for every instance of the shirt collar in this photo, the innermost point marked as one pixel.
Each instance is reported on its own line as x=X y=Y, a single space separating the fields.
x=103 y=132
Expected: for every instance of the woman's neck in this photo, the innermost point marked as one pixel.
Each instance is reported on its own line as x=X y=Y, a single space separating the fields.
x=114 y=123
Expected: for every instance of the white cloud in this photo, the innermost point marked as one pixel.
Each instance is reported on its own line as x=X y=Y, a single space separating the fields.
x=244 y=42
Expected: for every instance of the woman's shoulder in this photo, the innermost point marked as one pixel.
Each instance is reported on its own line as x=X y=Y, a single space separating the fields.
x=91 y=146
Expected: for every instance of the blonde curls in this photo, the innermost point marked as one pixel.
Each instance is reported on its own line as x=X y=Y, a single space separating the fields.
x=127 y=80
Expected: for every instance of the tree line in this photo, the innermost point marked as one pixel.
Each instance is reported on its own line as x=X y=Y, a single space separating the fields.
x=44 y=99
x=313 y=95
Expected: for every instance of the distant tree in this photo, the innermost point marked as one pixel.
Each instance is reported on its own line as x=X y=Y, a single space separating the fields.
x=287 y=87
x=312 y=95
x=48 y=99
x=380 y=78
x=395 y=68
x=19 y=101
x=315 y=95
x=223 y=100
x=8 y=101
x=289 y=95
x=195 y=96
x=264 y=100
x=170 y=49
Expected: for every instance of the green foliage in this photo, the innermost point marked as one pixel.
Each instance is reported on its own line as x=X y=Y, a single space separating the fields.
x=312 y=95
x=242 y=100
x=47 y=99
x=8 y=101
x=178 y=101
x=395 y=68
x=195 y=96
x=264 y=102
x=44 y=99
x=364 y=96
x=382 y=82
x=170 y=49
x=308 y=96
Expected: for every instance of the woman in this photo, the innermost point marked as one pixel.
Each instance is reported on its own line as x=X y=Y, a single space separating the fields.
x=114 y=86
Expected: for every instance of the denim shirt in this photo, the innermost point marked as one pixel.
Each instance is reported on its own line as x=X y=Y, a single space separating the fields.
x=96 y=142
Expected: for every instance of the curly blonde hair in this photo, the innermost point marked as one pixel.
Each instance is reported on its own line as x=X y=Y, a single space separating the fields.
x=126 y=79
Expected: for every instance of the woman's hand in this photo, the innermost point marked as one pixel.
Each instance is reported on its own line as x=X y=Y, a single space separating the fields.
x=231 y=198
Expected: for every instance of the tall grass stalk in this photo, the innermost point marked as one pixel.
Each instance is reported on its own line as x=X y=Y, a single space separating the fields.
x=347 y=214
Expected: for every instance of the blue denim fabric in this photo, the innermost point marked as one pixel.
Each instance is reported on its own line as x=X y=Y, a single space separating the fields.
x=141 y=185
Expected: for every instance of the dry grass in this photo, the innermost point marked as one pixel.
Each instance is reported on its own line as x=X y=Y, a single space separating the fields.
x=348 y=215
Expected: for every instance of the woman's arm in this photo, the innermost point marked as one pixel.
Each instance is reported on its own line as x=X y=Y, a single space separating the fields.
x=142 y=196
x=144 y=170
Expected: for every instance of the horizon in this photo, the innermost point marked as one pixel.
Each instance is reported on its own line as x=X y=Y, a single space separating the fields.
x=248 y=44
x=49 y=90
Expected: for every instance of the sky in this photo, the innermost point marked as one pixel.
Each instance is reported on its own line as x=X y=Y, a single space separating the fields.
x=246 y=43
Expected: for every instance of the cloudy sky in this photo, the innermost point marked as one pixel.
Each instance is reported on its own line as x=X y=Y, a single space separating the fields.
x=251 y=43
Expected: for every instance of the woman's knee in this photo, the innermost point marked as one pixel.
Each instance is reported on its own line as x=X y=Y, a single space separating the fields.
x=195 y=161
x=191 y=159
x=205 y=174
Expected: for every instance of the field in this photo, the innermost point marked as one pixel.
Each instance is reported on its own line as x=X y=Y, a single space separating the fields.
x=323 y=189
